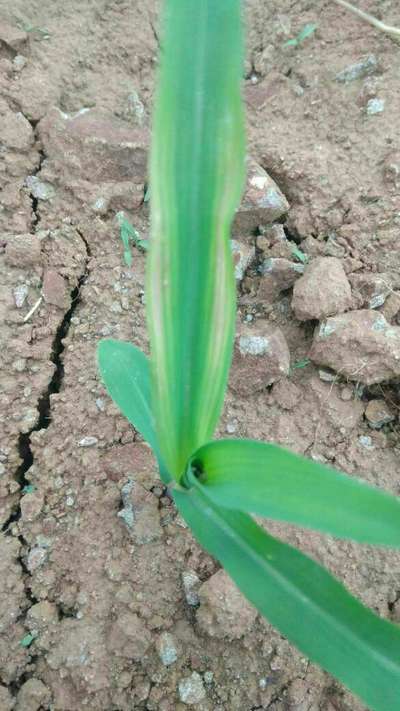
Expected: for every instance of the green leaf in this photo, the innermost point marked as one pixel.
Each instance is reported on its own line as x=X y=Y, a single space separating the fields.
x=307 y=31
x=28 y=639
x=125 y=372
x=298 y=364
x=269 y=481
x=196 y=177
x=303 y=258
x=302 y=600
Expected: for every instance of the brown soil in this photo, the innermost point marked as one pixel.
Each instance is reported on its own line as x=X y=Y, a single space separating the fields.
x=96 y=594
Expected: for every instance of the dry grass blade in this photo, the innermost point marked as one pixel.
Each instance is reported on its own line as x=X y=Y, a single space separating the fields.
x=393 y=32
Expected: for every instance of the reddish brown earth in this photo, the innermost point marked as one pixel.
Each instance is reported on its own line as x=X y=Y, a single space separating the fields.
x=123 y=608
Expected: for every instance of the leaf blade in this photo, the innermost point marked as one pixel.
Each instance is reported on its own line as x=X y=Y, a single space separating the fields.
x=196 y=176
x=302 y=600
x=125 y=372
x=270 y=481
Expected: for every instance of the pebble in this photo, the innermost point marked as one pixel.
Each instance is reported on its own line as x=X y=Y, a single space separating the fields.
x=363 y=68
x=191 y=584
x=375 y=106
x=366 y=442
x=88 y=441
x=191 y=689
x=261 y=357
x=324 y=290
x=223 y=611
x=166 y=649
x=378 y=414
x=20 y=295
x=243 y=255
x=39 y=189
x=360 y=345
x=263 y=202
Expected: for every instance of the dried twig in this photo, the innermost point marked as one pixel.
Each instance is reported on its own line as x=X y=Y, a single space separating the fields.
x=33 y=309
x=393 y=32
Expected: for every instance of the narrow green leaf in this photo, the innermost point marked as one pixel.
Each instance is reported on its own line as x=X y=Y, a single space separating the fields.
x=197 y=170
x=302 y=600
x=125 y=372
x=299 y=254
x=267 y=480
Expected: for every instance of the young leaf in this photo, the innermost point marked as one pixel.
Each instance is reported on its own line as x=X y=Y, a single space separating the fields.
x=264 y=479
x=125 y=372
x=196 y=179
x=302 y=600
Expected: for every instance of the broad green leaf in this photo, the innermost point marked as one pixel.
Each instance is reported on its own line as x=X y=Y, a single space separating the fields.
x=267 y=480
x=125 y=372
x=302 y=600
x=196 y=176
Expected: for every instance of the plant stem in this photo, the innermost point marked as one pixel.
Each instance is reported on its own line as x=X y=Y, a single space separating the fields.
x=393 y=32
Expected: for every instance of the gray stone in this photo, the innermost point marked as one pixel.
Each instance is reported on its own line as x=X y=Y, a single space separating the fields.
x=360 y=345
x=261 y=357
x=166 y=648
x=191 y=689
x=378 y=414
x=243 y=255
x=324 y=290
x=363 y=68
x=263 y=202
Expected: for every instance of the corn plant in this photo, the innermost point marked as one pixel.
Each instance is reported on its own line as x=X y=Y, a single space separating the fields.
x=175 y=399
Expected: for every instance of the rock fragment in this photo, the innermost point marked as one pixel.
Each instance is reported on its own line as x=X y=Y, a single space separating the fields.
x=191 y=584
x=191 y=689
x=223 y=611
x=11 y=36
x=263 y=201
x=166 y=648
x=363 y=68
x=360 y=345
x=378 y=414
x=243 y=255
x=22 y=250
x=278 y=274
x=32 y=696
x=261 y=357
x=322 y=291
x=54 y=289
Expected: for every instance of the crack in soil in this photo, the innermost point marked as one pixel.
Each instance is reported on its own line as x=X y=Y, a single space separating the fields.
x=43 y=421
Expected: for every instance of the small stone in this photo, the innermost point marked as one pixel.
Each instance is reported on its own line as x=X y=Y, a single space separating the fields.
x=31 y=506
x=166 y=649
x=191 y=584
x=36 y=558
x=191 y=689
x=39 y=189
x=32 y=696
x=243 y=255
x=54 y=289
x=88 y=441
x=346 y=394
x=223 y=611
x=286 y=394
x=19 y=366
x=20 y=295
x=19 y=62
x=23 y=250
x=371 y=290
x=208 y=677
x=278 y=274
x=375 y=106
x=100 y=404
x=327 y=375
x=363 y=68
x=263 y=202
x=261 y=357
x=231 y=427
x=129 y=637
x=378 y=414
x=360 y=345
x=12 y=36
x=322 y=291
x=392 y=306
x=366 y=442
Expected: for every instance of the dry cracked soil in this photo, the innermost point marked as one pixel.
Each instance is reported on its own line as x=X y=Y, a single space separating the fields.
x=107 y=603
